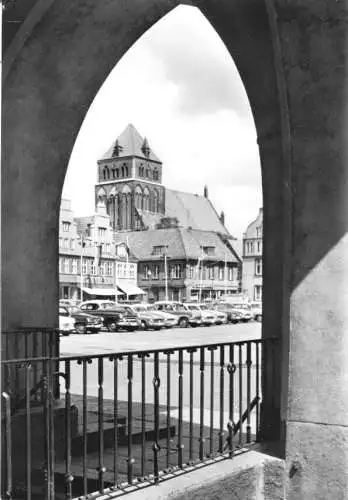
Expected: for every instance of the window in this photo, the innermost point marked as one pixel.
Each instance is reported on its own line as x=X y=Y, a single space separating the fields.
x=156 y=272
x=107 y=248
x=102 y=269
x=102 y=232
x=159 y=250
x=176 y=271
x=221 y=273
x=230 y=273
x=93 y=269
x=191 y=271
x=249 y=247
x=60 y=242
x=259 y=247
x=74 y=266
x=211 y=273
x=146 y=272
x=106 y=173
x=208 y=250
x=60 y=264
x=259 y=232
x=66 y=243
x=109 y=269
x=66 y=226
x=84 y=266
x=155 y=175
x=72 y=244
x=117 y=172
x=119 y=270
x=258 y=292
x=258 y=267
x=66 y=266
x=132 y=270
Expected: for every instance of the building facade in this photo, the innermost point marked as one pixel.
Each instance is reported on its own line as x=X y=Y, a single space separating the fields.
x=90 y=264
x=252 y=259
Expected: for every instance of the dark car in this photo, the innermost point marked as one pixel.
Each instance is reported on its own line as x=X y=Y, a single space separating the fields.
x=114 y=317
x=84 y=323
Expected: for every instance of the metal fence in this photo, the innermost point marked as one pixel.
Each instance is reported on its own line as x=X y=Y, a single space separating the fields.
x=131 y=418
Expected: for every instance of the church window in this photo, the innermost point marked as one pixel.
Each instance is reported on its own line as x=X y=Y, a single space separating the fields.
x=106 y=173
x=126 y=171
x=155 y=175
x=148 y=173
x=122 y=171
x=155 y=202
x=114 y=173
x=117 y=172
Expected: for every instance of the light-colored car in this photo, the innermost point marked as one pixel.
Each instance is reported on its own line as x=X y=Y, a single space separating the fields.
x=170 y=320
x=207 y=317
x=185 y=317
x=66 y=325
x=149 y=320
x=245 y=311
x=256 y=308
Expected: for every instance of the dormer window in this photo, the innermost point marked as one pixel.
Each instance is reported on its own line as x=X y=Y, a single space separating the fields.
x=158 y=250
x=208 y=250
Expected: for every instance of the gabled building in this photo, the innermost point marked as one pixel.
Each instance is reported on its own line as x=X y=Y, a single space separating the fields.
x=252 y=259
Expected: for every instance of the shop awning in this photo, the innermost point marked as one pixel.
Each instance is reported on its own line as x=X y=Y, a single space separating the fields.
x=130 y=289
x=101 y=291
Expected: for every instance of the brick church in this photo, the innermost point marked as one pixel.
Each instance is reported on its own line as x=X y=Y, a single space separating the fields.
x=183 y=249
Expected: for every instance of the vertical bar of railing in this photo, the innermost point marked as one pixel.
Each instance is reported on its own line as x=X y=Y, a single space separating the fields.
x=180 y=403
x=143 y=414
x=46 y=426
x=101 y=469
x=168 y=353
x=156 y=447
x=8 y=444
x=28 y=430
x=68 y=475
x=115 y=360
x=257 y=347
x=191 y=351
x=240 y=365
x=130 y=459
x=211 y=430
x=222 y=394
x=248 y=364
x=51 y=425
x=231 y=369
x=201 y=416
x=84 y=425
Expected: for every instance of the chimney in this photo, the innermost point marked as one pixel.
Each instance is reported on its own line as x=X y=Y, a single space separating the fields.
x=205 y=191
x=222 y=217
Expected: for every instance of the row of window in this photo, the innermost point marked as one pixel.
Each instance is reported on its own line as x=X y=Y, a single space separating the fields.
x=258 y=267
x=70 y=244
x=148 y=173
x=258 y=292
x=251 y=247
x=115 y=173
x=176 y=271
x=73 y=266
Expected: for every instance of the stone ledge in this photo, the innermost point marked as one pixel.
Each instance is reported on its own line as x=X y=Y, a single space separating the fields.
x=249 y=476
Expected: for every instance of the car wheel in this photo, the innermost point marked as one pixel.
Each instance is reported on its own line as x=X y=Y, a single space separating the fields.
x=80 y=328
x=183 y=323
x=112 y=327
x=143 y=325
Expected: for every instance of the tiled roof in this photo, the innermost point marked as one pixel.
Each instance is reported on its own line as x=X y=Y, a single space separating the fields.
x=130 y=143
x=181 y=244
x=193 y=211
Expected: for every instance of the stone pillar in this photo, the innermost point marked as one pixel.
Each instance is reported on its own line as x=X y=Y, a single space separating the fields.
x=313 y=37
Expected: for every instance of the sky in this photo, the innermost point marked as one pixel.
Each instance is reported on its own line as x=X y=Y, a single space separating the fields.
x=185 y=95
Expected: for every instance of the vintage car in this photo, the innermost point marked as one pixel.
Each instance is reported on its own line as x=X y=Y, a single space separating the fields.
x=233 y=316
x=114 y=317
x=170 y=320
x=84 y=322
x=185 y=317
x=66 y=324
x=149 y=320
x=256 y=308
x=207 y=317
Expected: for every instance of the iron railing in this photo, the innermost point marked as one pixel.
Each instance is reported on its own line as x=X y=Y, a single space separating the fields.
x=131 y=418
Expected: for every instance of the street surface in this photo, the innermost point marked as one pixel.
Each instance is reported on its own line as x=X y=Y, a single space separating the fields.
x=107 y=342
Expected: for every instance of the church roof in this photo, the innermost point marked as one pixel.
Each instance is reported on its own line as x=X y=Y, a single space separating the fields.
x=193 y=211
x=130 y=143
x=181 y=243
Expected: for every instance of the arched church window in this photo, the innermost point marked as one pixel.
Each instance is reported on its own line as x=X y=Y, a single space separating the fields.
x=117 y=172
x=155 y=175
x=114 y=173
x=126 y=171
x=155 y=202
x=106 y=173
x=122 y=171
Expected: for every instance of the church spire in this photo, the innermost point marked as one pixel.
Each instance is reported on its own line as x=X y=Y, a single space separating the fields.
x=117 y=149
x=146 y=148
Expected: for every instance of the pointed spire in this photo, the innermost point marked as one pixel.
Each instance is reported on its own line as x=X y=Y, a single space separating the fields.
x=206 y=191
x=146 y=148
x=117 y=149
x=222 y=217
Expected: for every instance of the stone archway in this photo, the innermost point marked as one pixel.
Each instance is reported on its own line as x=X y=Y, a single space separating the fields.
x=292 y=59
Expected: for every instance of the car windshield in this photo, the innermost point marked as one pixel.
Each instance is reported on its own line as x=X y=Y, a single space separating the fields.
x=140 y=309
x=193 y=308
x=151 y=308
x=63 y=311
x=203 y=307
x=74 y=310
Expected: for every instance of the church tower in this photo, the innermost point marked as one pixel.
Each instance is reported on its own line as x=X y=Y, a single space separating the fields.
x=130 y=183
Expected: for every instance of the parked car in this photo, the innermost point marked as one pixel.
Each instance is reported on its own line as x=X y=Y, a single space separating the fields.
x=66 y=324
x=148 y=319
x=170 y=320
x=256 y=309
x=207 y=317
x=84 y=322
x=233 y=316
x=245 y=311
x=114 y=317
x=185 y=317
